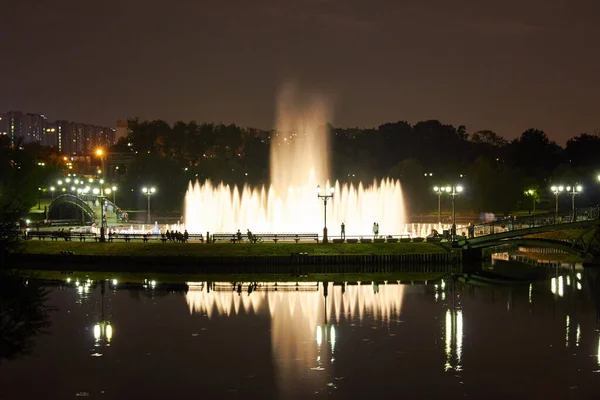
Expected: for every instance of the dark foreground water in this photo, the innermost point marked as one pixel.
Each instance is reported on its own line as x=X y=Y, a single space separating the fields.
x=441 y=340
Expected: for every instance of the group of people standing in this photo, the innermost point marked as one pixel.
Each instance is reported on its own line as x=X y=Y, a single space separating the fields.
x=122 y=216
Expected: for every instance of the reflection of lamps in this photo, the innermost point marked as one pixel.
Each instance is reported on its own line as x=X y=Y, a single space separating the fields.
x=325 y=331
x=453 y=336
x=103 y=330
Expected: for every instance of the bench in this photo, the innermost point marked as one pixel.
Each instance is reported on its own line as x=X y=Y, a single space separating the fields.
x=265 y=237
x=231 y=237
x=55 y=235
x=288 y=237
x=196 y=236
x=128 y=237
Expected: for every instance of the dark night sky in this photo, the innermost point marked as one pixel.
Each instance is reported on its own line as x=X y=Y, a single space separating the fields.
x=502 y=65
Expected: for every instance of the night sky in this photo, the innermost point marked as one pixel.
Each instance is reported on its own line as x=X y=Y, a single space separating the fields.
x=503 y=65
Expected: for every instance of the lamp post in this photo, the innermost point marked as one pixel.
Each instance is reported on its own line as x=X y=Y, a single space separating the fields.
x=556 y=190
x=100 y=194
x=52 y=189
x=439 y=191
x=148 y=192
x=328 y=194
x=100 y=153
x=453 y=191
x=534 y=195
x=80 y=193
x=114 y=190
x=573 y=190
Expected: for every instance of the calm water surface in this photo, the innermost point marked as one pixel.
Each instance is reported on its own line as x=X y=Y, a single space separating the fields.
x=389 y=340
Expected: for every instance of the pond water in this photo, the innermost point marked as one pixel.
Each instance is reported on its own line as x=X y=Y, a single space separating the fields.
x=445 y=338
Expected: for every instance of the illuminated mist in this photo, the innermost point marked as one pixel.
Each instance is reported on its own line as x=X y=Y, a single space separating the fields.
x=299 y=162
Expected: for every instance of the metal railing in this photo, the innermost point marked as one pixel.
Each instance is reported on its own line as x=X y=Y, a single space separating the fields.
x=512 y=223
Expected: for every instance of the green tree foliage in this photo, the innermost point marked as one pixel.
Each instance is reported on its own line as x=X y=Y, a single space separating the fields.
x=20 y=183
x=23 y=315
x=169 y=157
x=414 y=184
x=493 y=170
x=583 y=151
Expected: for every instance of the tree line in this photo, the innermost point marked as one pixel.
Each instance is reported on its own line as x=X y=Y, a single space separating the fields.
x=495 y=171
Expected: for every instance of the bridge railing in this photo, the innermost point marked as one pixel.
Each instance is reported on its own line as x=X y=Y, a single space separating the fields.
x=74 y=200
x=512 y=223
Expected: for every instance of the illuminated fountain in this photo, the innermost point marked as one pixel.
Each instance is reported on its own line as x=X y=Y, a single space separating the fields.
x=299 y=163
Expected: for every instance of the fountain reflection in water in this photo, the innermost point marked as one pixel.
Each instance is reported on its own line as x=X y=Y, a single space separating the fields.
x=307 y=302
x=301 y=313
x=299 y=162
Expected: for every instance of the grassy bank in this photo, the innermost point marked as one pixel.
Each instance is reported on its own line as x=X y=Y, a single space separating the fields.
x=227 y=249
x=565 y=234
x=553 y=257
x=133 y=277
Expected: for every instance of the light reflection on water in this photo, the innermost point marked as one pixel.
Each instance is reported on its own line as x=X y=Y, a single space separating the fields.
x=300 y=313
x=324 y=339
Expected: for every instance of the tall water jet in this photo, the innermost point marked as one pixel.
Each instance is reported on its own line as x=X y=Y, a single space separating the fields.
x=299 y=148
x=299 y=162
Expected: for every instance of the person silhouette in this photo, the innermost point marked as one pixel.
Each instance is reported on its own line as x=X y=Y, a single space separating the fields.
x=375 y=229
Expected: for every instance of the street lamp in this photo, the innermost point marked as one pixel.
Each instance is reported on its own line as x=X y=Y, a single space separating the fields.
x=453 y=191
x=325 y=196
x=556 y=190
x=114 y=190
x=439 y=191
x=148 y=192
x=52 y=189
x=573 y=190
x=100 y=153
x=100 y=194
x=534 y=196
x=79 y=196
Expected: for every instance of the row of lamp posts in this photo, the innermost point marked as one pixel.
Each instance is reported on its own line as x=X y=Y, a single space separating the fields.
x=451 y=191
x=327 y=194
x=570 y=190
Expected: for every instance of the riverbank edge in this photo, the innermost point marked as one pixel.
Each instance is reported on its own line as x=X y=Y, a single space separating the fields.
x=294 y=263
x=125 y=279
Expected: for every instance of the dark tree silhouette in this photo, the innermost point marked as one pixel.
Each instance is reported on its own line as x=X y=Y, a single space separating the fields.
x=23 y=315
